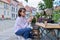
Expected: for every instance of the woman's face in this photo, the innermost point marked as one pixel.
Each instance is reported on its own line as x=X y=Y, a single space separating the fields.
x=23 y=13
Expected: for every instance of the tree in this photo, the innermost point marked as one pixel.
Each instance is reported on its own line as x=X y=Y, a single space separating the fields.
x=41 y=6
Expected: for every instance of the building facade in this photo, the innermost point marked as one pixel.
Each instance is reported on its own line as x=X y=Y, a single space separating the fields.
x=9 y=9
x=30 y=11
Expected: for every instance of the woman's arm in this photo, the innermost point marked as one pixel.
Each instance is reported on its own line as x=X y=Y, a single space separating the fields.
x=30 y=19
x=20 y=23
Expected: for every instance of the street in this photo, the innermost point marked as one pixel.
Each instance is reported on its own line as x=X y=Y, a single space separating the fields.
x=7 y=30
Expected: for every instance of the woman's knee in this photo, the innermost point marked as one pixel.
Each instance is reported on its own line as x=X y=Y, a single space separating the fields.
x=19 y=32
x=28 y=29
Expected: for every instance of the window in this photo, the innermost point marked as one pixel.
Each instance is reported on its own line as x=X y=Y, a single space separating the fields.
x=16 y=15
x=5 y=6
x=8 y=13
x=4 y=12
x=13 y=9
x=13 y=15
x=16 y=9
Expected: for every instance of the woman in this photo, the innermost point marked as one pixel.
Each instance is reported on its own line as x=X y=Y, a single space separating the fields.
x=21 y=25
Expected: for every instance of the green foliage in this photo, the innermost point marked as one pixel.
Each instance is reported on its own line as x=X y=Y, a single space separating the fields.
x=38 y=15
x=41 y=6
x=56 y=16
x=34 y=20
x=48 y=3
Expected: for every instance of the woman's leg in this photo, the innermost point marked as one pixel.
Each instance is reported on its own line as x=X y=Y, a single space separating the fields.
x=24 y=32
x=27 y=33
x=20 y=32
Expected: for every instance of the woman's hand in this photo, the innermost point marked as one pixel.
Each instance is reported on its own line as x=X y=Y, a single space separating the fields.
x=30 y=19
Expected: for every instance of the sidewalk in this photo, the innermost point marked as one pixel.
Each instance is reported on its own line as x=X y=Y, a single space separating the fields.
x=7 y=30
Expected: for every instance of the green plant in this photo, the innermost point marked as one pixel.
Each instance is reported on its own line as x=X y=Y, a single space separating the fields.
x=41 y=6
x=49 y=6
x=56 y=16
x=48 y=3
x=34 y=20
x=38 y=15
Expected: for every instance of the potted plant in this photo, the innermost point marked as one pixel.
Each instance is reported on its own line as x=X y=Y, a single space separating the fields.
x=33 y=21
x=49 y=7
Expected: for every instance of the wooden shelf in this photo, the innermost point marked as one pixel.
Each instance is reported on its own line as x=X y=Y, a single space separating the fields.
x=48 y=25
